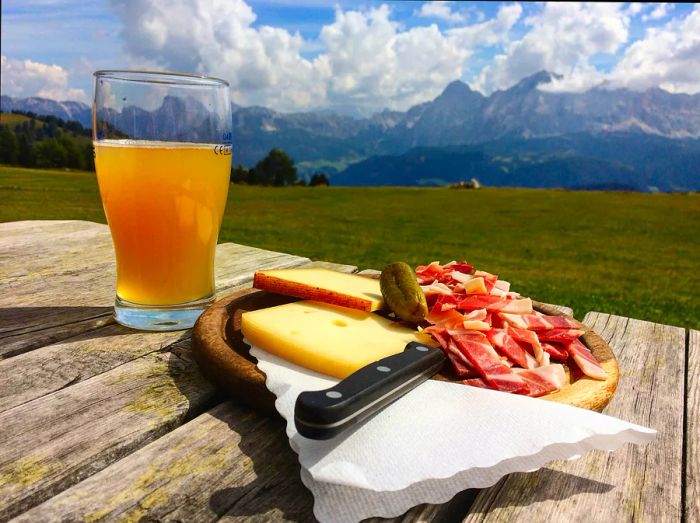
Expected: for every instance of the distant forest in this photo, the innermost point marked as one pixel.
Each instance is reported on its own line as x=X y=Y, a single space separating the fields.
x=31 y=140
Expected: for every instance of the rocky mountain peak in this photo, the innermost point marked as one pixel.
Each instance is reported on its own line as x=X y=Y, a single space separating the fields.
x=531 y=82
x=457 y=90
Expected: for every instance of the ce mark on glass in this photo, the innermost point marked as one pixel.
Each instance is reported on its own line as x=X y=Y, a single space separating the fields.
x=223 y=149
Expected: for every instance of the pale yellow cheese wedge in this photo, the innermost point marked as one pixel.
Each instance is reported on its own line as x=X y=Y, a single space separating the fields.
x=337 y=288
x=331 y=340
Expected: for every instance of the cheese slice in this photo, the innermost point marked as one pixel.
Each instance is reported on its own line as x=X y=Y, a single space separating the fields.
x=331 y=340
x=338 y=288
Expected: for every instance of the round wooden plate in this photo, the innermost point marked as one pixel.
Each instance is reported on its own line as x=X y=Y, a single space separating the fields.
x=222 y=355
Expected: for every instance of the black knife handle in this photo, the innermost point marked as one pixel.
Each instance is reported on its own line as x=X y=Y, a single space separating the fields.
x=322 y=414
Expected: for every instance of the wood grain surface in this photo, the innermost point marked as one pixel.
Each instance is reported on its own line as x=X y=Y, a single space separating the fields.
x=635 y=483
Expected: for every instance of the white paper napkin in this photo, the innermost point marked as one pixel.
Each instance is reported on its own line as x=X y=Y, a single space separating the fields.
x=437 y=440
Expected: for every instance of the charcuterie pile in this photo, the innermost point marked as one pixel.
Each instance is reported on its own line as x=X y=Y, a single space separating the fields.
x=494 y=338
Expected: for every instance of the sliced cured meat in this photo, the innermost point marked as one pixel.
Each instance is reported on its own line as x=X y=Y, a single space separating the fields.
x=460 y=266
x=557 y=322
x=477 y=314
x=469 y=284
x=436 y=288
x=500 y=339
x=475 y=347
x=475 y=286
x=494 y=320
x=560 y=335
x=476 y=325
x=496 y=303
x=427 y=274
x=585 y=360
x=485 y=328
x=476 y=320
x=439 y=333
x=555 y=350
x=443 y=303
x=531 y=340
x=449 y=319
x=477 y=382
x=462 y=277
x=544 y=380
x=500 y=288
x=463 y=368
x=538 y=321
x=525 y=321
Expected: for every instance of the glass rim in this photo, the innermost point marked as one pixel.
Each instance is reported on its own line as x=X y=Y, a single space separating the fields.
x=160 y=77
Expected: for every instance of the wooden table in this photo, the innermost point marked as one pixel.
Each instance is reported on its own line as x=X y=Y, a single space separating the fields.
x=102 y=423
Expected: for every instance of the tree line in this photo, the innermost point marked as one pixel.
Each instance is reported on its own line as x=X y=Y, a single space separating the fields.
x=46 y=142
x=50 y=142
x=276 y=169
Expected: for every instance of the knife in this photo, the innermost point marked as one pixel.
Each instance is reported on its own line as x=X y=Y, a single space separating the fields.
x=323 y=414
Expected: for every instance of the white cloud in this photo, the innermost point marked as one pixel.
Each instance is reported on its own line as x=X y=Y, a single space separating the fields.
x=442 y=11
x=25 y=78
x=666 y=57
x=489 y=33
x=366 y=60
x=371 y=62
x=660 y=11
x=562 y=38
x=635 y=8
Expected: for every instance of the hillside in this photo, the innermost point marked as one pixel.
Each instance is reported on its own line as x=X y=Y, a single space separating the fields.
x=33 y=140
x=627 y=161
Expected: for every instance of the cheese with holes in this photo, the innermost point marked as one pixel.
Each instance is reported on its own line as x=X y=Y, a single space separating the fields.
x=345 y=290
x=331 y=340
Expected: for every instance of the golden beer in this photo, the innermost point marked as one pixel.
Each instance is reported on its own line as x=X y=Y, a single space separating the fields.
x=164 y=202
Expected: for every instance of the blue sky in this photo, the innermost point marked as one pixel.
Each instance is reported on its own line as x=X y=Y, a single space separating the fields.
x=365 y=56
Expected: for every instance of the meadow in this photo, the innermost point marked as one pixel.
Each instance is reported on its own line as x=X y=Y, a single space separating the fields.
x=631 y=254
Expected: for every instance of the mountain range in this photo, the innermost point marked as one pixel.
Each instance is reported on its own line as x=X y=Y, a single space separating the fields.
x=527 y=135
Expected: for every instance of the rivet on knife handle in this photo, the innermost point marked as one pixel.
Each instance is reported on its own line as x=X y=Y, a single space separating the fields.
x=323 y=414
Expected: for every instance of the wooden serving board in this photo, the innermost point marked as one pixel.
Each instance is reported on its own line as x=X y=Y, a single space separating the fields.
x=223 y=356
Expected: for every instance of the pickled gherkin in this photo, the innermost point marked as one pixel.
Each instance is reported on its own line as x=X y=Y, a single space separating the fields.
x=401 y=292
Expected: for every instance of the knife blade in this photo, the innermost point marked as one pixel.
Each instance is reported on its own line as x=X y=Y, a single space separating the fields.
x=323 y=414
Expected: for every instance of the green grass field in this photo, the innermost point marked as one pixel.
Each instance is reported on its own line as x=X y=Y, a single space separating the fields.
x=12 y=120
x=631 y=254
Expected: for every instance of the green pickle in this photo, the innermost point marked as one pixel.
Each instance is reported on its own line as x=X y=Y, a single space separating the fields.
x=401 y=292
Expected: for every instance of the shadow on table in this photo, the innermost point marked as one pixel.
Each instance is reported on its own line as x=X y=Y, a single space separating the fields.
x=524 y=489
x=23 y=329
x=25 y=319
x=276 y=485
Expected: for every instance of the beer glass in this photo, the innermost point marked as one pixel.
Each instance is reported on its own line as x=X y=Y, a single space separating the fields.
x=162 y=144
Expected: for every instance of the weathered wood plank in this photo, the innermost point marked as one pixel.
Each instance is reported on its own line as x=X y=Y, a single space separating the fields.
x=36 y=250
x=14 y=344
x=48 y=369
x=39 y=372
x=692 y=430
x=227 y=462
x=640 y=483
x=52 y=443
